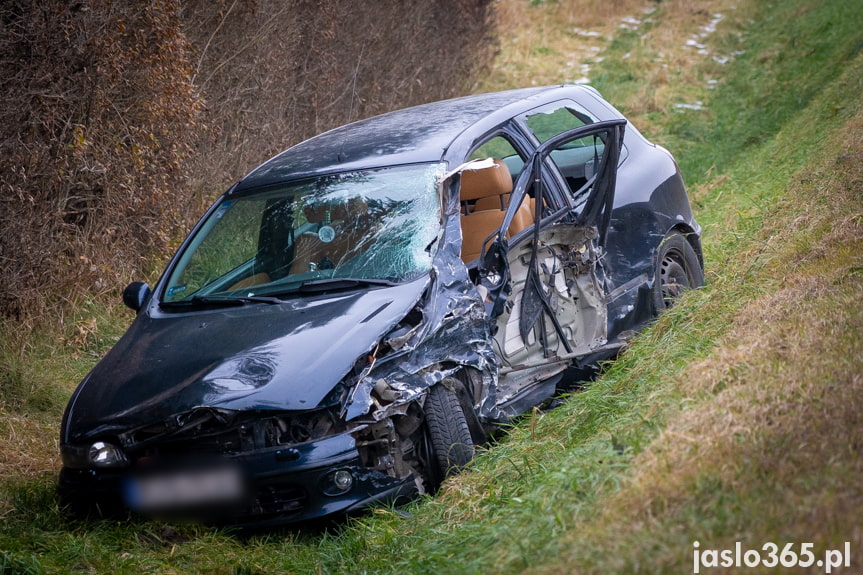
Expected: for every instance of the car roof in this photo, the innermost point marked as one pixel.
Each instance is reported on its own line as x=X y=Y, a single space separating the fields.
x=412 y=135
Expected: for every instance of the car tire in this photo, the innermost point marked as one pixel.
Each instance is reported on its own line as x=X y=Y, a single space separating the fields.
x=677 y=269
x=448 y=431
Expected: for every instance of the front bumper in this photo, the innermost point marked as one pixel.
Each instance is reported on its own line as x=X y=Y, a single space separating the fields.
x=286 y=485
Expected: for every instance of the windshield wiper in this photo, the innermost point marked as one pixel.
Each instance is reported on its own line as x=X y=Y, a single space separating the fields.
x=329 y=284
x=198 y=300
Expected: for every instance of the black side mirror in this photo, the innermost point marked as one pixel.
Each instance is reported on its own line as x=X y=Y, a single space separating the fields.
x=135 y=294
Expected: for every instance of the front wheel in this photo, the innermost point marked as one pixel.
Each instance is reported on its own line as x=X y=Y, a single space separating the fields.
x=677 y=270
x=448 y=431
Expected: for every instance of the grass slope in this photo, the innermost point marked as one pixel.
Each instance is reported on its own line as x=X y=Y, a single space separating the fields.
x=735 y=417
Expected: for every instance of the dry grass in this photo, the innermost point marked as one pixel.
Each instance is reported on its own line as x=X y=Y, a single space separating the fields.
x=770 y=444
x=668 y=64
x=676 y=62
x=28 y=448
x=548 y=42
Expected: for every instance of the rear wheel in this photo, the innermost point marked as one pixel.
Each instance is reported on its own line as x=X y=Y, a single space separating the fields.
x=677 y=270
x=448 y=431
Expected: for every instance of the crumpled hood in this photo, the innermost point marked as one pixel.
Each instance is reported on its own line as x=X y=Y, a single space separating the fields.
x=258 y=356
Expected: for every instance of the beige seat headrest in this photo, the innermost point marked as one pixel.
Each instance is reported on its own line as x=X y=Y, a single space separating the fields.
x=488 y=182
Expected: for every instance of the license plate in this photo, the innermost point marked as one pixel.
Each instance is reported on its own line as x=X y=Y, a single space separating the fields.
x=185 y=489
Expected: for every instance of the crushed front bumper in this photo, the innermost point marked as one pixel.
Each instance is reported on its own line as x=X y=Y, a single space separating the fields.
x=284 y=485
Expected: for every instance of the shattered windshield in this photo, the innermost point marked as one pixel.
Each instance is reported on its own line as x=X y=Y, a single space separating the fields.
x=358 y=228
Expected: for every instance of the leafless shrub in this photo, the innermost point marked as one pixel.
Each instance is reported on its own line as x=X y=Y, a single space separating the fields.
x=118 y=118
x=97 y=118
x=275 y=73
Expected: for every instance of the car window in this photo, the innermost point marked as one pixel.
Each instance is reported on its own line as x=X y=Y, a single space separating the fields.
x=577 y=161
x=231 y=238
x=548 y=121
x=376 y=224
x=501 y=148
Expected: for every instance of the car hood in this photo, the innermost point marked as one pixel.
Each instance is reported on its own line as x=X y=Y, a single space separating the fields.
x=287 y=356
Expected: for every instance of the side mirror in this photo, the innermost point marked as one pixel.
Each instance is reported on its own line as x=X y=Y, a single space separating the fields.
x=135 y=294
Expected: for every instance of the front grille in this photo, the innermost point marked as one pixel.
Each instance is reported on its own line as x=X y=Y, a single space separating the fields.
x=217 y=433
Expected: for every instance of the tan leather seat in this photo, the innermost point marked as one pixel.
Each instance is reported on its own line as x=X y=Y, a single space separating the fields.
x=257 y=279
x=489 y=189
x=309 y=253
x=492 y=203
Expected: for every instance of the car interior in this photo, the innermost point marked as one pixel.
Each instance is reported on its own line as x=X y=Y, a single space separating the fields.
x=485 y=196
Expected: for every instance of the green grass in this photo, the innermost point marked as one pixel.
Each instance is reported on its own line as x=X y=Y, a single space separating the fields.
x=733 y=418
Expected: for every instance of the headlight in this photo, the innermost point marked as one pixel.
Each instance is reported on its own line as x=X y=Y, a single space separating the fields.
x=103 y=454
x=74 y=456
x=338 y=482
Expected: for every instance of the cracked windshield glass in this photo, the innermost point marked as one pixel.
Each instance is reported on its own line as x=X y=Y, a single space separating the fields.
x=363 y=227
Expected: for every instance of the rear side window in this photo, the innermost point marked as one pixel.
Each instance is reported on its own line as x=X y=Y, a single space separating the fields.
x=577 y=161
x=553 y=119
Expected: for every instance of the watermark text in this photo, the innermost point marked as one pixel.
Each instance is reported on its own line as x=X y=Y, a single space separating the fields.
x=771 y=555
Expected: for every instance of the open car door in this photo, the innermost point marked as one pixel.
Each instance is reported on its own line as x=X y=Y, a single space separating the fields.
x=544 y=286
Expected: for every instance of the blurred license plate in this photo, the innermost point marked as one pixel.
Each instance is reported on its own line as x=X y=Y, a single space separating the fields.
x=183 y=489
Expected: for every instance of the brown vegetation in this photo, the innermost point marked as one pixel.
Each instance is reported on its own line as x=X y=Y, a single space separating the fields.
x=98 y=118
x=120 y=119
x=544 y=43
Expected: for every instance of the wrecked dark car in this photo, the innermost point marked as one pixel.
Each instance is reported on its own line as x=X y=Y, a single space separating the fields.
x=349 y=320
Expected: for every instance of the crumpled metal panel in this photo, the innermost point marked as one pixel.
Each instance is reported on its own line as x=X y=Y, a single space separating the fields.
x=452 y=335
x=285 y=357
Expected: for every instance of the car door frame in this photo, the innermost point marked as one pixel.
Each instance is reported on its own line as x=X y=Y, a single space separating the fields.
x=494 y=272
x=540 y=171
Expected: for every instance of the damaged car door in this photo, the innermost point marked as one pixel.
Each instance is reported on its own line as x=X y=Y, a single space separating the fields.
x=544 y=284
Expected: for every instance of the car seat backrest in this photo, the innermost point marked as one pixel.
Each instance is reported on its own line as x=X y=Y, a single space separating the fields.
x=492 y=203
x=489 y=189
x=485 y=183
